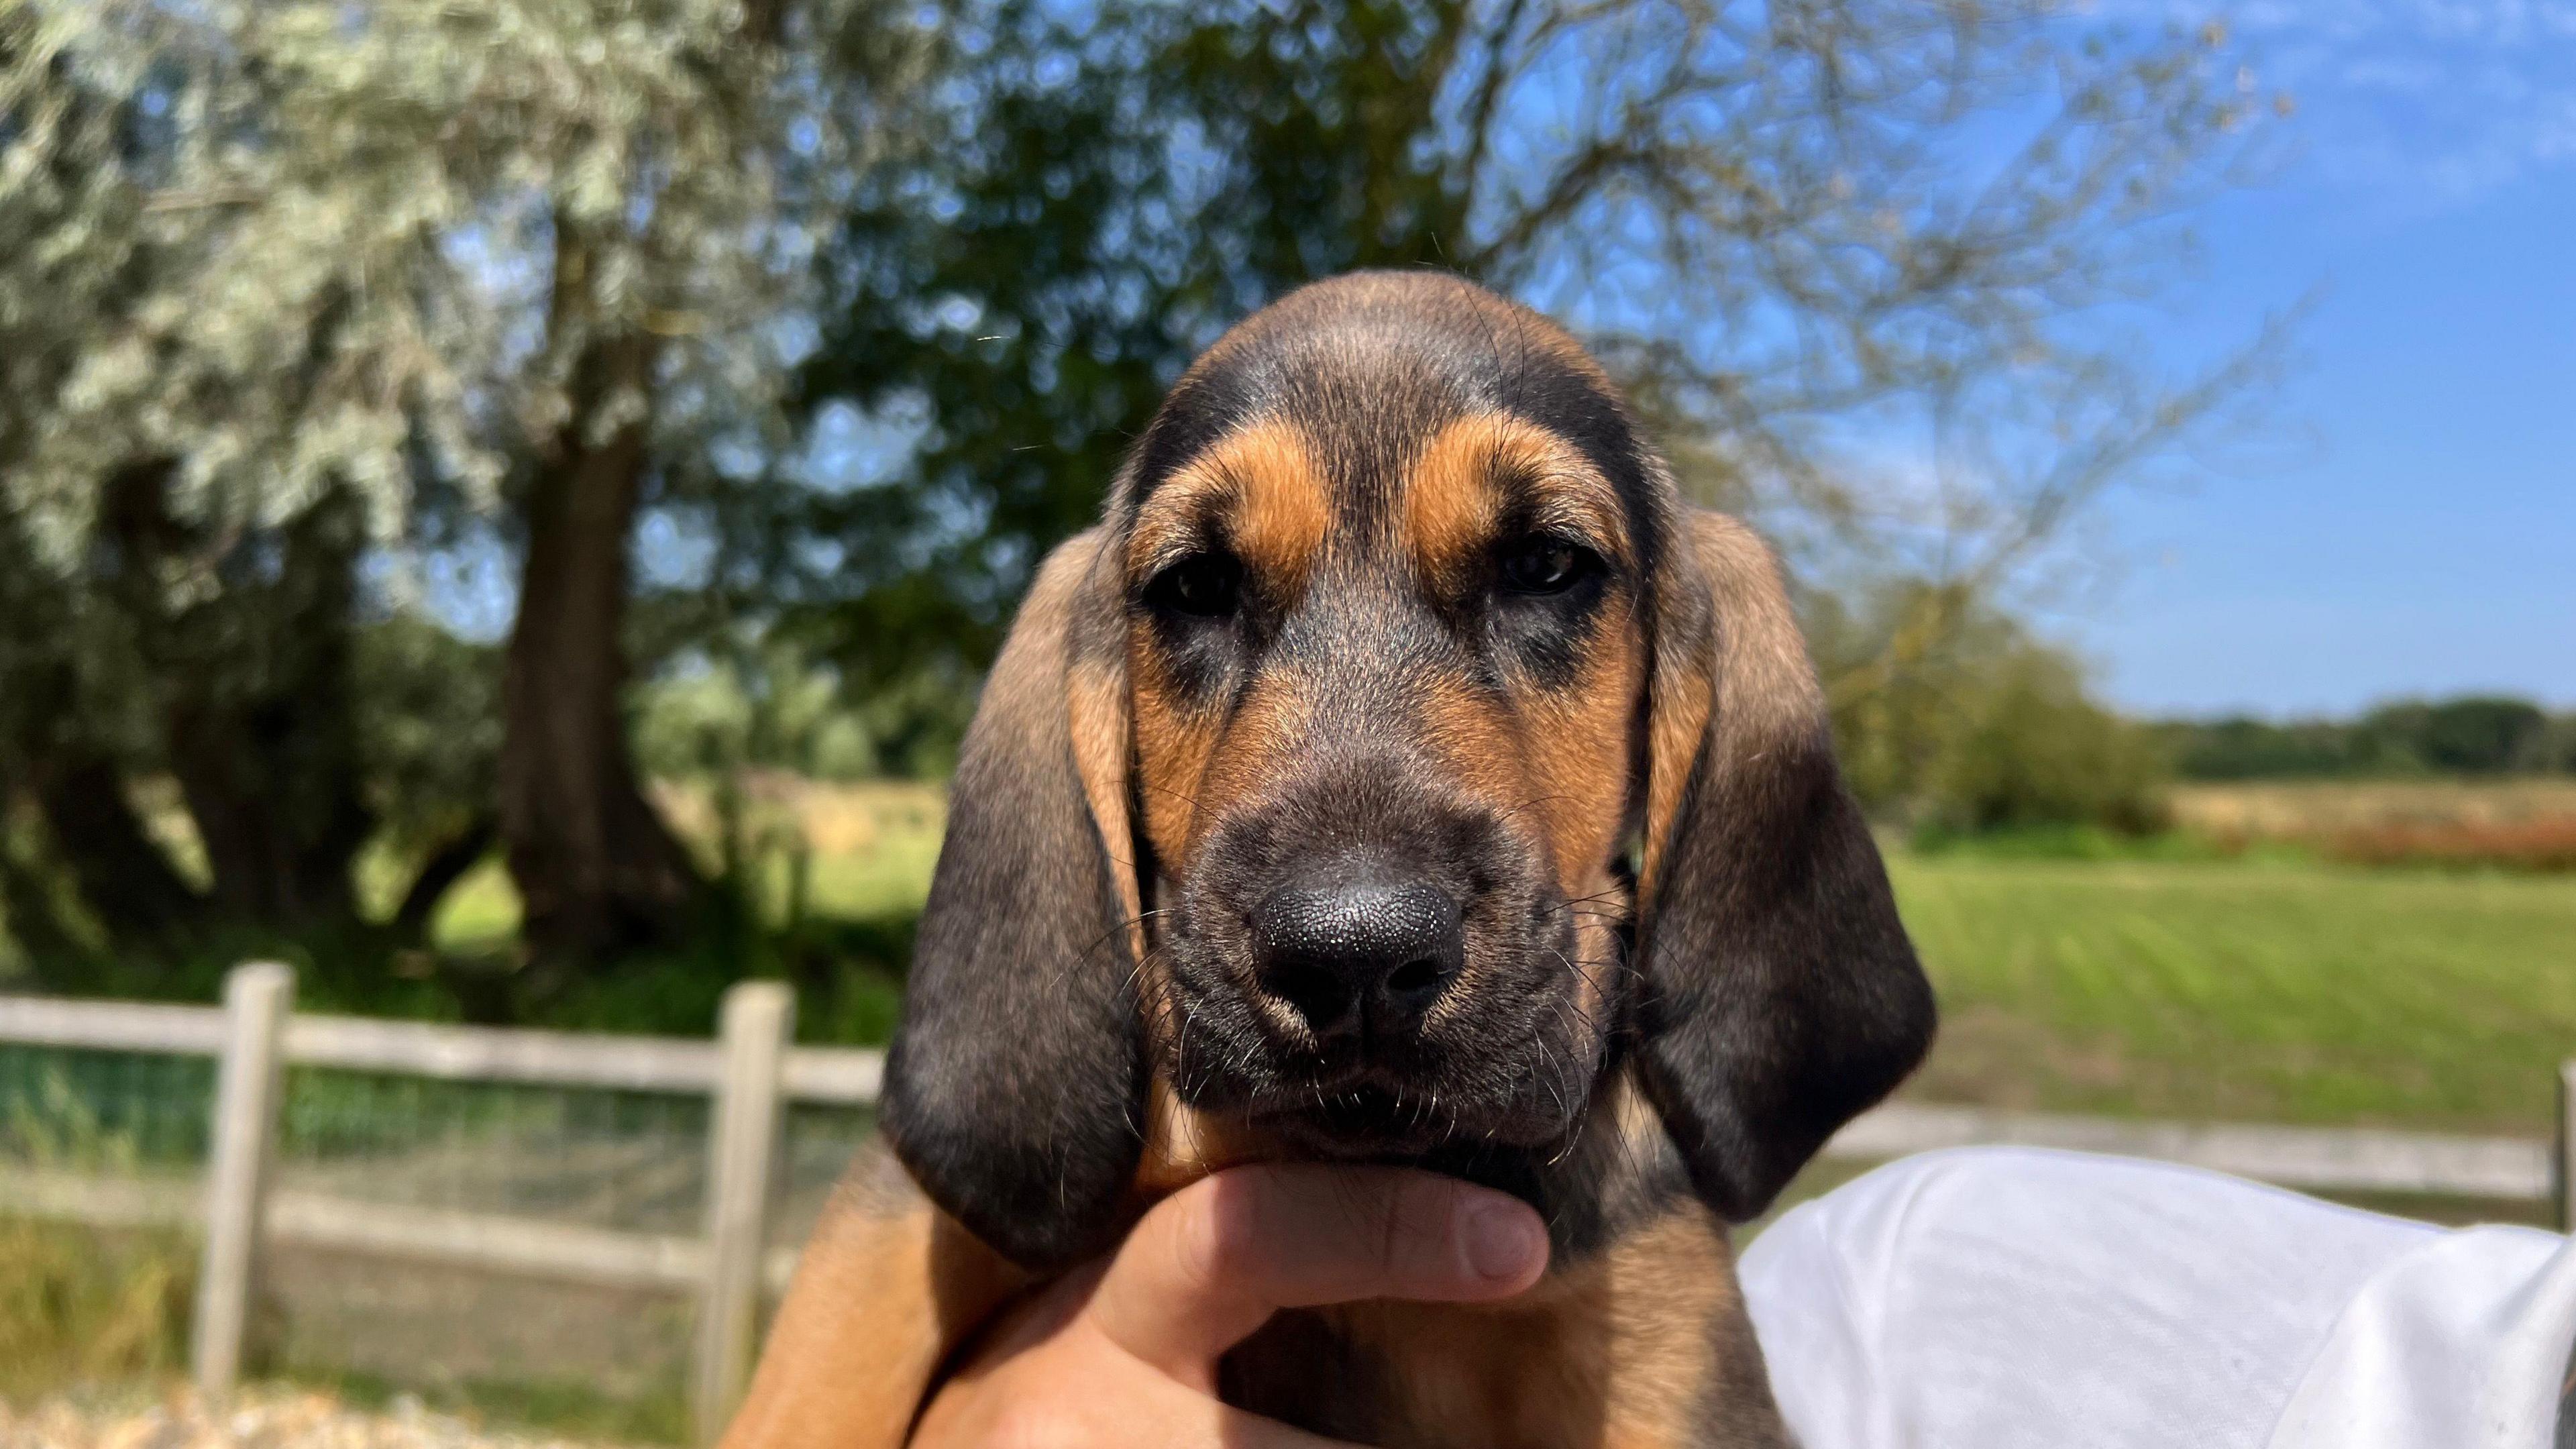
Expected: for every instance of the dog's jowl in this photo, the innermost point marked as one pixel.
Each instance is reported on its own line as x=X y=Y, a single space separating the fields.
x=1400 y=772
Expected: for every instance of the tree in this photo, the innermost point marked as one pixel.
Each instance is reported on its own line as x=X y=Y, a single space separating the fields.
x=645 y=190
x=1785 y=224
x=186 y=448
x=2466 y=735
x=293 y=286
x=1986 y=728
x=2471 y=735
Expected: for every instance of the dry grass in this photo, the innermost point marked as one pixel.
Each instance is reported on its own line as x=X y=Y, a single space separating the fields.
x=82 y=1306
x=93 y=1320
x=2524 y=844
x=2527 y=824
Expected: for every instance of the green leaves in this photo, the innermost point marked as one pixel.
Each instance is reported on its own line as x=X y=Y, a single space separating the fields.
x=1819 y=242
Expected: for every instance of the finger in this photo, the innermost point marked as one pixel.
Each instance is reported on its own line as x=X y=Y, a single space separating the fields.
x=1211 y=1263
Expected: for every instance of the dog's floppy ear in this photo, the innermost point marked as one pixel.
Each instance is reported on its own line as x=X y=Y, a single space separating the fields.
x=1014 y=1088
x=1781 y=995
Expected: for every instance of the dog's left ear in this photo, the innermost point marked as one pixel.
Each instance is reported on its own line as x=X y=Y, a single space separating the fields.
x=1781 y=995
x=1015 y=1087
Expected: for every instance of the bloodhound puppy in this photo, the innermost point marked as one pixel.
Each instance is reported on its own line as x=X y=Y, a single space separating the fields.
x=1400 y=772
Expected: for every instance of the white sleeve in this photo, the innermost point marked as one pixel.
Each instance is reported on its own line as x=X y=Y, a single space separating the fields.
x=2007 y=1298
x=2463 y=1341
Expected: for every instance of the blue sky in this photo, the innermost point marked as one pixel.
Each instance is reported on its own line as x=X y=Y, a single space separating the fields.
x=2400 y=517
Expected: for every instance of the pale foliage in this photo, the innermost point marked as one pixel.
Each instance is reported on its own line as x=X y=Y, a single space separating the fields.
x=291 y=246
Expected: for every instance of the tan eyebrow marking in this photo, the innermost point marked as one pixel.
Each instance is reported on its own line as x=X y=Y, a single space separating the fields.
x=1262 y=485
x=1453 y=501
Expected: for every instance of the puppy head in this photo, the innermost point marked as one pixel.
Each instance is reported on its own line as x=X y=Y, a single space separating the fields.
x=1397 y=762
x=1383 y=578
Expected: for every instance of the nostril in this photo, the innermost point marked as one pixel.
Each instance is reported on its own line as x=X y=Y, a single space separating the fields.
x=1319 y=993
x=1418 y=977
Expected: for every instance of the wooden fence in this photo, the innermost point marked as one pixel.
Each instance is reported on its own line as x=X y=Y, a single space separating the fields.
x=751 y=1071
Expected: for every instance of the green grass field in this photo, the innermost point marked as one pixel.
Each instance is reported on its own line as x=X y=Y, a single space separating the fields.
x=2248 y=990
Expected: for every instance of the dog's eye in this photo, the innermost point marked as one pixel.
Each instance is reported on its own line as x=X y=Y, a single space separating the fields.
x=1204 y=585
x=1540 y=564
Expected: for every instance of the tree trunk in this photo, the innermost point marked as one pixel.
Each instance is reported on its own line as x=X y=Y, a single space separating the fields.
x=281 y=820
x=597 y=870
x=52 y=758
x=256 y=692
x=121 y=872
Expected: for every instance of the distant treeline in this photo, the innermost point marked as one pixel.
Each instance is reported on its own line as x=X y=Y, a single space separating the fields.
x=2471 y=735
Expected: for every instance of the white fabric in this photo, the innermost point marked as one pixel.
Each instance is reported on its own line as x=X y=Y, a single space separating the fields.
x=2010 y=1298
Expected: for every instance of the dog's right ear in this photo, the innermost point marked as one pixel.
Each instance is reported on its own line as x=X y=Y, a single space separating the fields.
x=1015 y=1087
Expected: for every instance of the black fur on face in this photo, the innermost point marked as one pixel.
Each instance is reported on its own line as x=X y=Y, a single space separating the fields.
x=1505 y=1058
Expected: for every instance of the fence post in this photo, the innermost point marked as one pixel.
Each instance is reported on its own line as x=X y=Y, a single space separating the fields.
x=257 y=997
x=2562 y=1163
x=758 y=1020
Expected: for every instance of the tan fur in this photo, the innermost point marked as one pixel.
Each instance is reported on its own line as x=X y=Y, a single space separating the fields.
x=1470 y=736
x=1263 y=494
x=1452 y=506
x=1193 y=766
x=1183 y=1145
x=1173 y=746
x=1284 y=517
x=1553 y=761
x=888 y=1286
x=1575 y=744
x=886 y=1289
x=1096 y=700
x=1626 y=1351
x=1276 y=510
x=1557 y=761
x=1744 y=659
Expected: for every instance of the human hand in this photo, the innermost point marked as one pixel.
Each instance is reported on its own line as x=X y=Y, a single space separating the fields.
x=1124 y=1354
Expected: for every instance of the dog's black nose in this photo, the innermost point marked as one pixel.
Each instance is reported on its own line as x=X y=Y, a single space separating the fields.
x=1365 y=952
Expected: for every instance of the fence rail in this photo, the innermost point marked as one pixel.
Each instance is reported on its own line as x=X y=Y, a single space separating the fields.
x=837 y=1075
x=2318 y=1159
x=751 y=1072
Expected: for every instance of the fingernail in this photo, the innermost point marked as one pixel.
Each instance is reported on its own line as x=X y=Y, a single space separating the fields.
x=1503 y=1238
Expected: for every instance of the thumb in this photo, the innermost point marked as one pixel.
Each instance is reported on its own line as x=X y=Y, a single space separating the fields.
x=1213 y=1262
